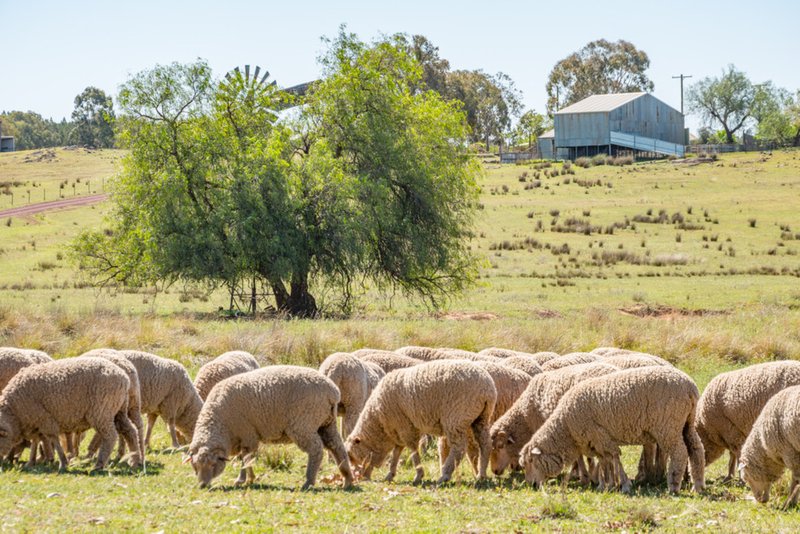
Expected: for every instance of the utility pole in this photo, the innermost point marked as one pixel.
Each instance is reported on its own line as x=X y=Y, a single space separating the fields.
x=682 y=76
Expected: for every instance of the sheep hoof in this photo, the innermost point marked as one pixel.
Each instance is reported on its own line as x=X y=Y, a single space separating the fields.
x=389 y=477
x=626 y=488
x=348 y=483
x=417 y=481
x=307 y=486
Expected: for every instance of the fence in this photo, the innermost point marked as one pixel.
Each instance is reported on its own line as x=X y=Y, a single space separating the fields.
x=514 y=157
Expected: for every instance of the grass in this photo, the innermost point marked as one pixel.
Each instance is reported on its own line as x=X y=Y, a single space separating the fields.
x=724 y=295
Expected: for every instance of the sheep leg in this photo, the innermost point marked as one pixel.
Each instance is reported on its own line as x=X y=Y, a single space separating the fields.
x=62 y=458
x=173 y=434
x=151 y=421
x=480 y=429
x=733 y=459
x=678 y=460
x=333 y=442
x=624 y=481
x=312 y=445
x=444 y=451
x=34 y=450
x=127 y=434
x=108 y=438
x=583 y=472
x=136 y=418
x=393 y=463
x=415 y=459
x=246 y=474
x=457 y=441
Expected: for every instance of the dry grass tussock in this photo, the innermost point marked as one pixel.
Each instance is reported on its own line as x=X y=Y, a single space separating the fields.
x=751 y=334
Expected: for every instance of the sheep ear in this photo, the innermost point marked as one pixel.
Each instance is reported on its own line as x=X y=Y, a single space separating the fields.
x=537 y=451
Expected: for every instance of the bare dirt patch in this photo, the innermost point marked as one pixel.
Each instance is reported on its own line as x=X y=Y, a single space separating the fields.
x=468 y=316
x=39 y=156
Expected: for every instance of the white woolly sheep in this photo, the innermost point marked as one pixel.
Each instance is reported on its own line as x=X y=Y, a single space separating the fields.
x=134 y=408
x=634 y=359
x=449 y=398
x=573 y=358
x=426 y=354
x=12 y=360
x=275 y=404
x=635 y=406
x=511 y=431
x=356 y=380
x=386 y=360
x=63 y=396
x=223 y=366
x=731 y=403
x=166 y=391
x=774 y=444
x=522 y=363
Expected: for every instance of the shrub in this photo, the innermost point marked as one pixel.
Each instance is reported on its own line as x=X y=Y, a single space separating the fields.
x=599 y=159
x=583 y=162
x=554 y=213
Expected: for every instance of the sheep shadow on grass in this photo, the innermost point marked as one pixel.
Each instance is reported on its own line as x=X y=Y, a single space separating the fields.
x=264 y=486
x=86 y=468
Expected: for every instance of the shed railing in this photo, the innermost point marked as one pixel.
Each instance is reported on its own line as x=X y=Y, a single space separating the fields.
x=647 y=144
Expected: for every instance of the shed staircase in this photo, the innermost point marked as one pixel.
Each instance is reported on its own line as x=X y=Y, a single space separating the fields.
x=647 y=144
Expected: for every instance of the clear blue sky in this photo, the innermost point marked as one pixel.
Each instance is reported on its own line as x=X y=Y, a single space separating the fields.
x=52 y=50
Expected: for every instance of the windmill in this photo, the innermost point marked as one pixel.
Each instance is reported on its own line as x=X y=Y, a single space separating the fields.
x=242 y=81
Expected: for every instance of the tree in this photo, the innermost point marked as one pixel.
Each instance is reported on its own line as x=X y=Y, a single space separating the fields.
x=777 y=114
x=727 y=100
x=31 y=130
x=434 y=68
x=490 y=102
x=600 y=67
x=531 y=125
x=94 y=118
x=370 y=182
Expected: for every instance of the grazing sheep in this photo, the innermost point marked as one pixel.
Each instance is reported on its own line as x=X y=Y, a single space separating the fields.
x=731 y=403
x=166 y=390
x=538 y=357
x=63 y=396
x=608 y=351
x=546 y=356
x=386 y=360
x=356 y=380
x=426 y=354
x=522 y=363
x=634 y=359
x=12 y=360
x=275 y=404
x=450 y=398
x=635 y=406
x=498 y=352
x=573 y=358
x=134 y=408
x=466 y=355
x=223 y=366
x=511 y=431
x=774 y=444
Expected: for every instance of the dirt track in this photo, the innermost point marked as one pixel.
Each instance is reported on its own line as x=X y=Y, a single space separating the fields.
x=64 y=203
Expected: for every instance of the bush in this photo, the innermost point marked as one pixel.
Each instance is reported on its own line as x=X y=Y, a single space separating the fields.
x=583 y=162
x=599 y=159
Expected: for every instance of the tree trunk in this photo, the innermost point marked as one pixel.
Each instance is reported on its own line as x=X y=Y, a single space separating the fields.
x=796 y=141
x=298 y=303
x=729 y=135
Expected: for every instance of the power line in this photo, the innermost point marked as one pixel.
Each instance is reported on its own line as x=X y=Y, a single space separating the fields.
x=682 y=76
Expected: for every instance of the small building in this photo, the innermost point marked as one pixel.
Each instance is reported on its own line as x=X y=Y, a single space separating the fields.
x=6 y=141
x=547 y=144
x=614 y=123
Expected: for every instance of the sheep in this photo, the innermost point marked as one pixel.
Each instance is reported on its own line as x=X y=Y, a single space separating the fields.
x=538 y=357
x=608 y=351
x=573 y=358
x=442 y=398
x=356 y=380
x=386 y=360
x=499 y=352
x=69 y=395
x=275 y=404
x=511 y=431
x=633 y=359
x=774 y=443
x=12 y=360
x=634 y=406
x=466 y=355
x=426 y=354
x=134 y=407
x=731 y=403
x=522 y=363
x=223 y=366
x=166 y=390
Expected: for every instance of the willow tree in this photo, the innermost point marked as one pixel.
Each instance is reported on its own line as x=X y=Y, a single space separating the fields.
x=368 y=183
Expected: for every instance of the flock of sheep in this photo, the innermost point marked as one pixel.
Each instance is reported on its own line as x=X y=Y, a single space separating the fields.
x=541 y=413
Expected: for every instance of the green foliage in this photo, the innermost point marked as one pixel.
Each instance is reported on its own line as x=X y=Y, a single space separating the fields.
x=32 y=131
x=369 y=181
x=600 y=67
x=727 y=100
x=94 y=118
x=531 y=125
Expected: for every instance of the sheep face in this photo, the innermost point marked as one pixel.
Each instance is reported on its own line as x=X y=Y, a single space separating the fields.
x=208 y=464
x=540 y=466
x=759 y=485
x=504 y=453
x=9 y=434
x=362 y=456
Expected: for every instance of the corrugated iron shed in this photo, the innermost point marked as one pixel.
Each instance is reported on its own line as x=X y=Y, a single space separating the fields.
x=600 y=103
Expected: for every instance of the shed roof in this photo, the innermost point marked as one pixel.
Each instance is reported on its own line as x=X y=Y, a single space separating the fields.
x=600 y=103
x=549 y=134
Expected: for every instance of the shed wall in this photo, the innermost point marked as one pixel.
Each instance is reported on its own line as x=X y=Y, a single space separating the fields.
x=582 y=129
x=648 y=117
